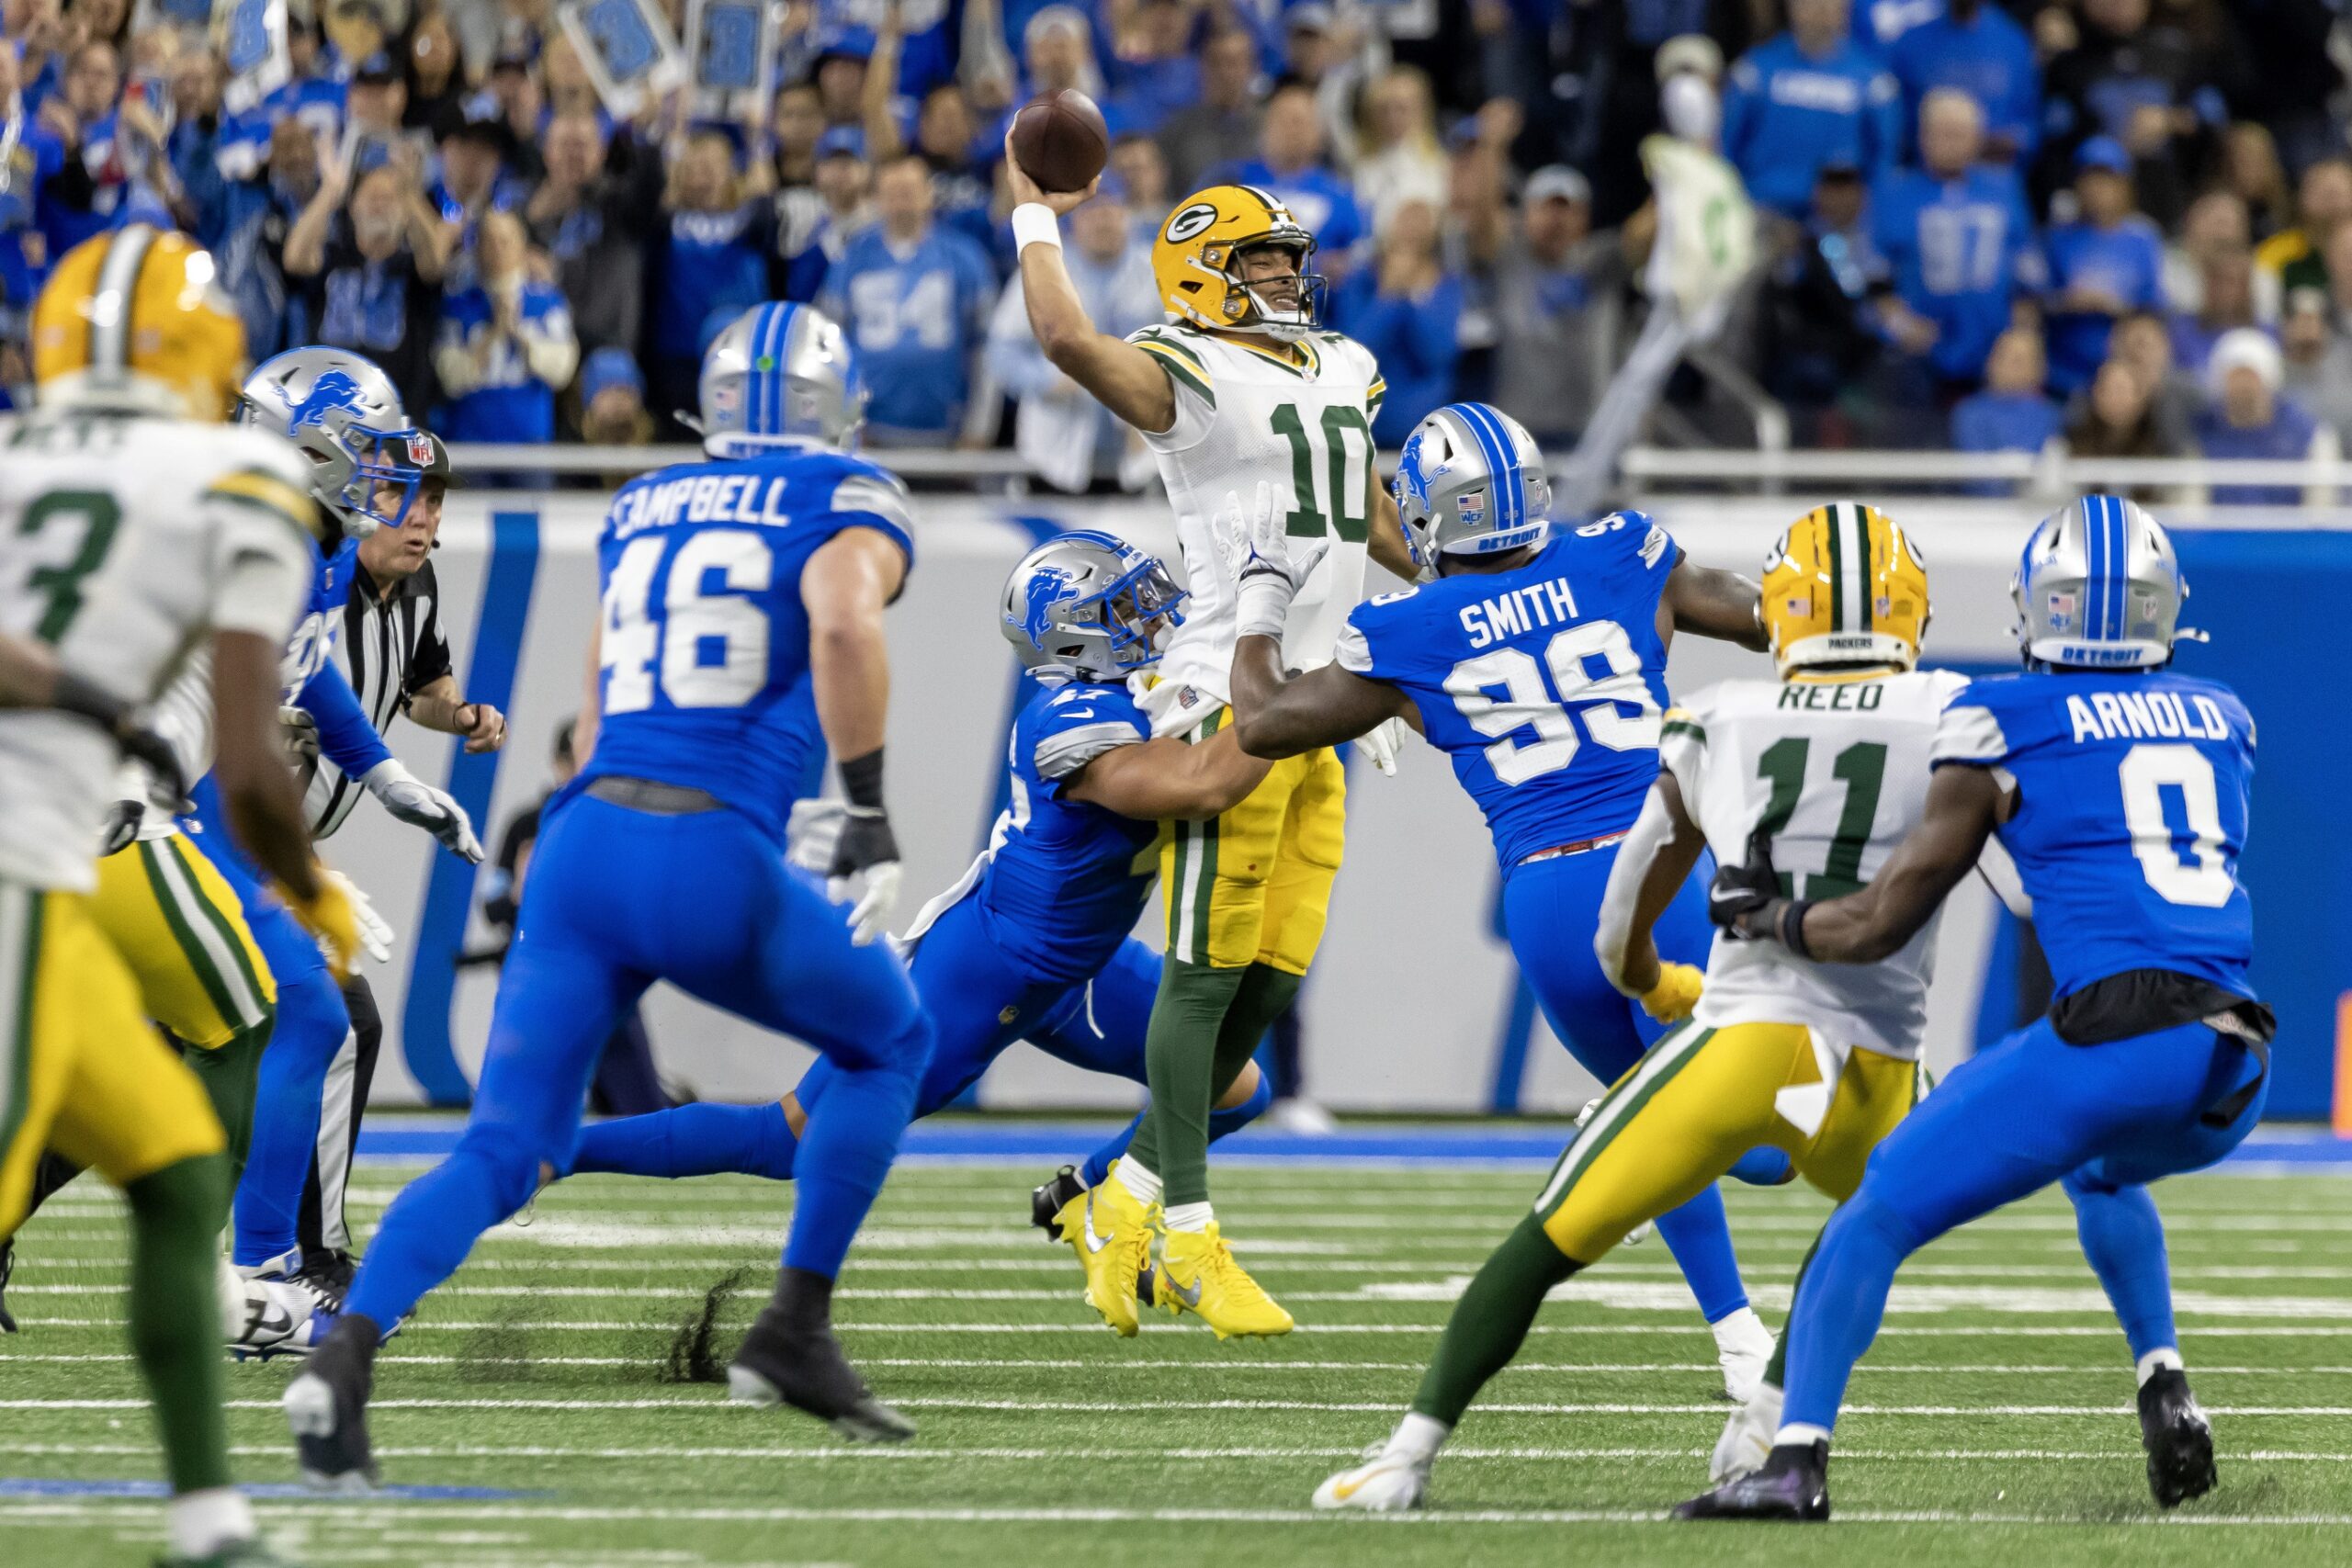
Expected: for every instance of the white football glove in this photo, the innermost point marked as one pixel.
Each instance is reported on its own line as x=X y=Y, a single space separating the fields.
x=1268 y=571
x=375 y=931
x=1381 y=742
x=419 y=805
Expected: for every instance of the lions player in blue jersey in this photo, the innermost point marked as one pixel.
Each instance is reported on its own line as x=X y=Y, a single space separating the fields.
x=741 y=630
x=2119 y=789
x=1032 y=942
x=1537 y=664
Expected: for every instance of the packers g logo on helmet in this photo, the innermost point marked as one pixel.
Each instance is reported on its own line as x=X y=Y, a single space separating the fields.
x=1844 y=587
x=137 y=318
x=1195 y=262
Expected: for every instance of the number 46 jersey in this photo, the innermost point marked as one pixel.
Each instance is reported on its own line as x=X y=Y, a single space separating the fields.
x=705 y=677
x=1835 y=771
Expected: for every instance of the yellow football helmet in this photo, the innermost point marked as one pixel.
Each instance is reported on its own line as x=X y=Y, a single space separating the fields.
x=136 y=318
x=1845 y=586
x=1194 y=262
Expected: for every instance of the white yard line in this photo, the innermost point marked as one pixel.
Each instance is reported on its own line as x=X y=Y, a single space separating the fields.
x=703 y=1402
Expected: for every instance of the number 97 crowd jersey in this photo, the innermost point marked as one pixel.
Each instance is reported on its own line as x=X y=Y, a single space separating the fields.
x=126 y=543
x=1246 y=416
x=1542 y=684
x=2132 y=809
x=1835 y=771
x=705 y=647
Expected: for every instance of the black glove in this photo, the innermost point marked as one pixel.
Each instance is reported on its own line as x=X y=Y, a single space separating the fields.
x=1737 y=897
x=866 y=840
x=75 y=695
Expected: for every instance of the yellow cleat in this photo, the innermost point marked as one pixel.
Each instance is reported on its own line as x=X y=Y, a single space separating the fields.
x=1198 y=1274
x=1111 y=1233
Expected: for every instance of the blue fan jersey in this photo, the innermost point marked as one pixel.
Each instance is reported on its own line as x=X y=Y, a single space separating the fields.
x=1064 y=881
x=705 y=647
x=2131 y=811
x=1543 y=684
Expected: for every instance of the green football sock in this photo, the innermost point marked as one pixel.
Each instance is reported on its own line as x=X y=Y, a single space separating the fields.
x=1491 y=1320
x=1265 y=995
x=176 y=1219
x=1180 y=1051
x=228 y=1075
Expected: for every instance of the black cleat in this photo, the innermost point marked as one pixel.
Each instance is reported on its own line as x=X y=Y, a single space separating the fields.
x=803 y=1366
x=2179 y=1441
x=327 y=1409
x=1793 y=1485
x=1046 y=1202
x=327 y=1275
x=8 y=1267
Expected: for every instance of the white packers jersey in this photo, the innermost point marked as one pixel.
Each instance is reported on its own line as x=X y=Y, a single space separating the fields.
x=1837 y=771
x=125 y=542
x=1246 y=415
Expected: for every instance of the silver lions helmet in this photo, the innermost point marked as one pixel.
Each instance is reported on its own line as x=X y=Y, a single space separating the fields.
x=2100 y=588
x=343 y=413
x=1089 y=606
x=1471 y=482
x=780 y=375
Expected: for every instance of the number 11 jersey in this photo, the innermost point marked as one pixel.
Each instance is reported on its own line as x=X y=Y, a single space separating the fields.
x=1542 y=684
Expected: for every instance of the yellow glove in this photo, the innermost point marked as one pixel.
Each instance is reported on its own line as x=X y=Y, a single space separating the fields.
x=330 y=916
x=1676 y=993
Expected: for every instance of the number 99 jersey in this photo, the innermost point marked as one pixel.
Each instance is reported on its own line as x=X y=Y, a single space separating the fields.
x=2133 y=808
x=705 y=680
x=1542 y=684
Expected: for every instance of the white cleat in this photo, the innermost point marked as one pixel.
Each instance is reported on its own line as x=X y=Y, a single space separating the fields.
x=1747 y=1441
x=1385 y=1484
x=1744 y=1350
x=262 y=1318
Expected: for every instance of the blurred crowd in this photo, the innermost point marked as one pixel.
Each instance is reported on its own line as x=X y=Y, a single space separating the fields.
x=2125 y=225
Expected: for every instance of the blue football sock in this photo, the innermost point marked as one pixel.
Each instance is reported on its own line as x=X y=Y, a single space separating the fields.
x=846 y=1153
x=2124 y=1239
x=311 y=1023
x=692 y=1140
x=1097 y=1164
x=1699 y=1238
x=434 y=1223
x=1840 y=1305
x=1763 y=1166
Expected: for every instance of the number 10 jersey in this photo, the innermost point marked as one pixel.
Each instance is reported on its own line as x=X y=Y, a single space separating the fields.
x=1247 y=415
x=1835 y=771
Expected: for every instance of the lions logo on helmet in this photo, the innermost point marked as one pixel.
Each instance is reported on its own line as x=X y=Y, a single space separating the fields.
x=1197 y=264
x=345 y=415
x=1844 y=587
x=1089 y=606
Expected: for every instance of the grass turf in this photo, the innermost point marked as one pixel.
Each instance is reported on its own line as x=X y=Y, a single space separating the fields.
x=1991 y=1425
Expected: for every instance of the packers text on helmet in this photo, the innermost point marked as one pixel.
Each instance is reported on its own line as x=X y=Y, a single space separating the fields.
x=1845 y=587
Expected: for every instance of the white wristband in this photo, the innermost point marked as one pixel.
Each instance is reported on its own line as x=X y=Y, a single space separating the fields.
x=1033 y=223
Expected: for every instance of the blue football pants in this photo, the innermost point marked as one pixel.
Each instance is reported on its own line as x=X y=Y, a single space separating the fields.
x=2009 y=1122
x=617 y=900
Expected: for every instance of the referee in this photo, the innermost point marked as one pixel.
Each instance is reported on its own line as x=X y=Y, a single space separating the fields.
x=398 y=658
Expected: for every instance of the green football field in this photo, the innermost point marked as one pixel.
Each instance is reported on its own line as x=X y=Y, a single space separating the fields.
x=1991 y=1425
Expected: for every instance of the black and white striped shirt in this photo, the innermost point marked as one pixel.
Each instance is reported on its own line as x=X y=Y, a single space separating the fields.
x=391 y=648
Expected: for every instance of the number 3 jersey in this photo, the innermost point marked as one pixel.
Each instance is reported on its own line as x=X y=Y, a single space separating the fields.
x=125 y=544
x=2132 y=810
x=1837 y=772
x=1542 y=684
x=705 y=680
x=1246 y=415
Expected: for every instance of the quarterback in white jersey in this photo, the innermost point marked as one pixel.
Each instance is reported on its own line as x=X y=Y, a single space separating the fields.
x=135 y=529
x=1242 y=393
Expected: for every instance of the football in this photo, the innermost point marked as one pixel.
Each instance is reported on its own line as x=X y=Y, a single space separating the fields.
x=1061 y=140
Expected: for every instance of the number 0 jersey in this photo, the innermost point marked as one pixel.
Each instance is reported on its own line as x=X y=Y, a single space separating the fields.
x=1063 y=881
x=705 y=649
x=1247 y=416
x=2132 y=809
x=1837 y=772
x=125 y=543
x=1543 y=684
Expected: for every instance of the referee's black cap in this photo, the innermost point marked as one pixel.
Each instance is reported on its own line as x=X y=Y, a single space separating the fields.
x=440 y=471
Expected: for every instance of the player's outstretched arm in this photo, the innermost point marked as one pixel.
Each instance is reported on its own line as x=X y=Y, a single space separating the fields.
x=1659 y=852
x=1964 y=804
x=1708 y=602
x=1171 y=780
x=1123 y=378
x=1276 y=717
x=847 y=584
x=263 y=804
